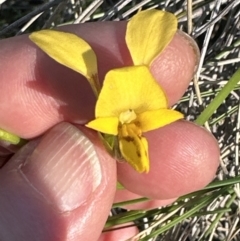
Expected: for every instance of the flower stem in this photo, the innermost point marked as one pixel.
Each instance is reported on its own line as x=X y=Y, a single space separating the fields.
x=13 y=139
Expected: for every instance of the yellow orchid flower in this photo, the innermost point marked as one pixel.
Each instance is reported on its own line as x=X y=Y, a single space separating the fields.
x=130 y=102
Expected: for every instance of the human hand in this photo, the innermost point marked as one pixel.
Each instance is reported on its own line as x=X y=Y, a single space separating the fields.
x=61 y=185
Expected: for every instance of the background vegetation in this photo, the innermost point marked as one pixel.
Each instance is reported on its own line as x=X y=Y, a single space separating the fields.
x=212 y=99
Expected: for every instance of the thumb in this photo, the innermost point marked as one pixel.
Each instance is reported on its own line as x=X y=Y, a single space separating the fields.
x=57 y=187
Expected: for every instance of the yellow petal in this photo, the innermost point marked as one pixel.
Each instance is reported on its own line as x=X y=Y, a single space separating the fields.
x=151 y=120
x=107 y=125
x=134 y=151
x=148 y=33
x=69 y=50
x=129 y=88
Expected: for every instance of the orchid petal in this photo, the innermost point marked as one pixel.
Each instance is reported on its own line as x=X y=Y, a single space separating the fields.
x=148 y=33
x=135 y=151
x=129 y=88
x=71 y=51
x=107 y=125
x=151 y=120
x=155 y=119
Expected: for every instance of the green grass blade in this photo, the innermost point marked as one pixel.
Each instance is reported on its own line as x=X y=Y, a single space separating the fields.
x=124 y=218
x=223 y=183
x=217 y=101
x=128 y=202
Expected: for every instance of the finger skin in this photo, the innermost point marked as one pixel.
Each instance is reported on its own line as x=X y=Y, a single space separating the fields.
x=41 y=93
x=52 y=191
x=175 y=66
x=121 y=234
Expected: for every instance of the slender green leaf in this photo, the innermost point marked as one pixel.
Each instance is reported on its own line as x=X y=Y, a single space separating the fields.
x=133 y=201
x=217 y=101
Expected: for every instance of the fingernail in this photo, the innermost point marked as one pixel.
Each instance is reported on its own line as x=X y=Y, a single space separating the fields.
x=64 y=168
x=193 y=44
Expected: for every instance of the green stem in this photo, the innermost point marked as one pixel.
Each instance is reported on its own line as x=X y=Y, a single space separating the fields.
x=6 y=136
x=217 y=101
